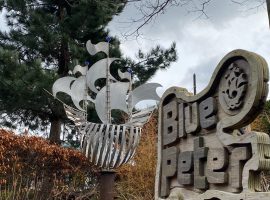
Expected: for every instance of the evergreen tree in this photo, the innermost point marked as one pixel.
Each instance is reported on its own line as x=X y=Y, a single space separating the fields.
x=46 y=38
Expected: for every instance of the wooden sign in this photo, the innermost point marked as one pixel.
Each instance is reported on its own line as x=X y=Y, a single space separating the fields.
x=205 y=150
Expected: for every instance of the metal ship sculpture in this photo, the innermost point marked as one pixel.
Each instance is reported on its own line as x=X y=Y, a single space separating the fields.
x=107 y=145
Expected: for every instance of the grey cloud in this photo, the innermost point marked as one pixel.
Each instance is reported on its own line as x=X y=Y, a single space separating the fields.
x=203 y=73
x=179 y=17
x=201 y=44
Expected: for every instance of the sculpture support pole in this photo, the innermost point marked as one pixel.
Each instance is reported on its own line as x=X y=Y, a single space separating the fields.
x=106 y=187
x=85 y=98
x=130 y=99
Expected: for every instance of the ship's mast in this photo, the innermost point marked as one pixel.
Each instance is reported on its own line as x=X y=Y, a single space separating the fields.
x=108 y=92
x=85 y=94
x=130 y=96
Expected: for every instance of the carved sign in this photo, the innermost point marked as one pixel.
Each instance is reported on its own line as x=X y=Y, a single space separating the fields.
x=204 y=152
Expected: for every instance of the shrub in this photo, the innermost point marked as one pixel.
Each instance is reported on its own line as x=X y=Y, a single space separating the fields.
x=136 y=180
x=32 y=168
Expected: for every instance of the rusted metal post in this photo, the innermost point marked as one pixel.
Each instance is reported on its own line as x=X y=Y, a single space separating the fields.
x=106 y=187
x=268 y=10
x=194 y=84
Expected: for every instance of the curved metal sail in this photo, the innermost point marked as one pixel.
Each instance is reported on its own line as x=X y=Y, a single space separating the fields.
x=118 y=99
x=62 y=85
x=124 y=75
x=95 y=48
x=78 y=89
x=74 y=87
x=97 y=71
x=79 y=68
x=144 y=92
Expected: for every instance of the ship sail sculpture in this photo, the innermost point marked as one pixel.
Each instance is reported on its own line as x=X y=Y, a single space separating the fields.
x=107 y=145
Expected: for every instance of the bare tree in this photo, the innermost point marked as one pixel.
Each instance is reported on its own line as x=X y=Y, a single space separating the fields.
x=150 y=9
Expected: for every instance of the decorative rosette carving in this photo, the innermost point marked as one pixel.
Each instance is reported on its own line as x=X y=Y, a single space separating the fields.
x=234 y=88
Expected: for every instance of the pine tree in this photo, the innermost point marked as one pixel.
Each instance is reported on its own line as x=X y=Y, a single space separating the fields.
x=46 y=38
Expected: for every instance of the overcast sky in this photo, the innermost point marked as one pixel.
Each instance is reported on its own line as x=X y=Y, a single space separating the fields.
x=201 y=43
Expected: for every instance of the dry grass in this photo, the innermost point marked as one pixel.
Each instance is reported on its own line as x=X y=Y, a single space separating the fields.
x=136 y=180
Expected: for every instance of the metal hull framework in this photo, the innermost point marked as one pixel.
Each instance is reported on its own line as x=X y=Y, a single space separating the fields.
x=109 y=146
x=106 y=145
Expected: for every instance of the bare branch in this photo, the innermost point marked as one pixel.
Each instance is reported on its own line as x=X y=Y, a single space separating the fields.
x=150 y=9
x=201 y=10
x=148 y=17
x=239 y=2
x=131 y=1
x=252 y=4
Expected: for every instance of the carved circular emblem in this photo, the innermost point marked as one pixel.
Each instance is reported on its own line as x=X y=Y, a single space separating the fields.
x=233 y=88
